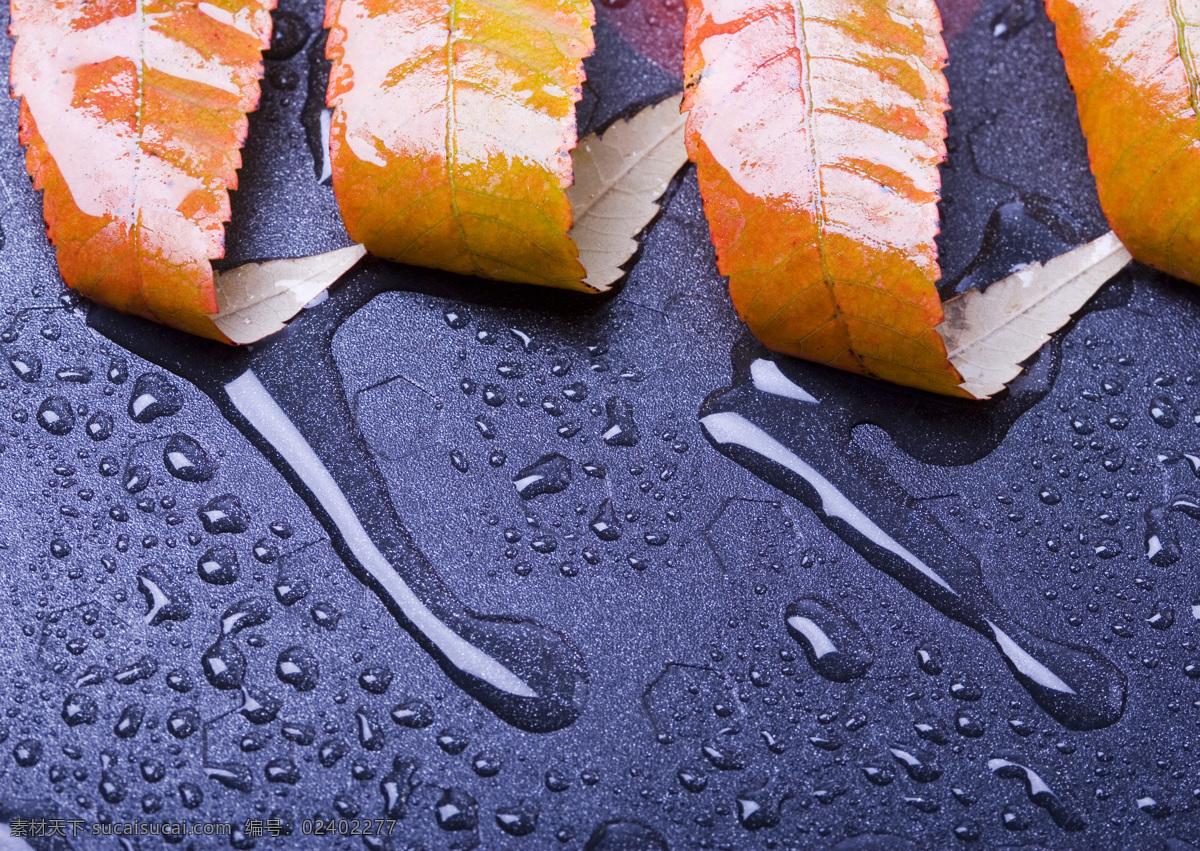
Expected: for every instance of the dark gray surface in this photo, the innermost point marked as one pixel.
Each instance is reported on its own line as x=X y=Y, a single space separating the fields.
x=693 y=644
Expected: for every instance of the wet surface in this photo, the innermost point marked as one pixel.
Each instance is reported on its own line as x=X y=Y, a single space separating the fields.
x=478 y=559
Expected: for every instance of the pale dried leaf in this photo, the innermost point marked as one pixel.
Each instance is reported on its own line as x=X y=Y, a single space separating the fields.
x=990 y=333
x=257 y=299
x=619 y=178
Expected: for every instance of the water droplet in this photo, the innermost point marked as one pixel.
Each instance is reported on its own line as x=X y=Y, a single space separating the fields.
x=456 y=810
x=375 y=680
x=879 y=774
x=187 y=460
x=331 y=752
x=26 y=366
x=79 y=709
x=929 y=660
x=604 y=524
x=179 y=680
x=154 y=395
x=1162 y=544
x=325 y=615
x=557 y=780
x=259 y=706
x=136 y=479
x=931 y=730
x=833 y=643
x=457 y=318
x=219 y=566
x=183 y=722
x=413 y=713
x=165 y=600
x=964 y=688
x=56 y=415
x=1163 y=411
x=27 y=753
x=548 y=474
x=1039 y=792
x=190 y=795
x=99 y=426
x=969 y=726
x=297 y=667
x=282 y=770
x=453 y=740
x=576 y=392
x=1163 y=616
x=459 y=461
x=920 y=765
x=724 y=754
x=1108 y=548
x=370 y=733
x=112 y=786
x=231 y=775
x=224 y=665
x=494 y=395
x=298 y=733
x=245 y=613
x=620 y=428
x=518 y=820
x=223 y=514
x=761 y=806
x=130 y=721
x=487 y=764
x=290 y=590
x=152 y=770
x=693 y=779
x=143 y=669
x=74 y=374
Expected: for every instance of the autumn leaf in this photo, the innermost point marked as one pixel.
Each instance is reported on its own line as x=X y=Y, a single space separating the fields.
x=989 y=333
x=1135 y=68
x=133 y=113
x=452 y=130
x=619 y=178
x=817 y=129
x=257 y=299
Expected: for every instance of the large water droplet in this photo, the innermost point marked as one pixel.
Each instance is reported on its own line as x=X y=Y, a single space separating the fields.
x=165 y=600
x=520 y=819
x=224 y=665
x=456 y=810
x=154 y=395
x=56 y=415
x=834 y=644
x=219 y=566
x=549 y=474
x=187 y=460
x=223 y=514
x=297 y=667
x=1039 y=792
x=620 y=429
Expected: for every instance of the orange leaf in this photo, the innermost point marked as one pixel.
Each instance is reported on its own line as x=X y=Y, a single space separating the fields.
x=133 y=114
x=1135 y=68
x=452 y=130
x=817 y=127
